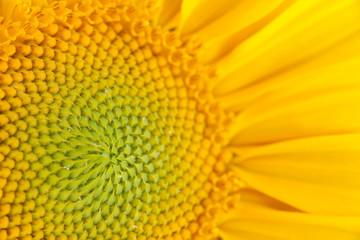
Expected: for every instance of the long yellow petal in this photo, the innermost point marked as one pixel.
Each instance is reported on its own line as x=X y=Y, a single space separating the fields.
x=304 y=30
x=7 y=8
x=300 y=112
x=169 y=10
x=187 y=7
x=256 y=222
x=318 y=175
x=210 y=18
x=232 y=29
x=337 y=67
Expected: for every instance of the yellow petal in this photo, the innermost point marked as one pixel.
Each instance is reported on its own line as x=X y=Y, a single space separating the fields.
x=187 y=7
x=306 y=110
x=306 y=29
x=318 y=175
x=211 y=18
x=169 y=10
x=322 y=72
x=258 y=199
x=222 y=35
x=7 y=8
x=256 y=222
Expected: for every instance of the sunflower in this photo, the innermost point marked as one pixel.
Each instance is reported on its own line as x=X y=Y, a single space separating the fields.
x=180 y=119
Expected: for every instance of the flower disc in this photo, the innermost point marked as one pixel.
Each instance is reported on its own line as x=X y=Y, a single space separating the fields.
x=108 y=130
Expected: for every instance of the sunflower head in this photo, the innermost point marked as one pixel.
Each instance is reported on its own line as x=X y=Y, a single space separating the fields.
x=108 y=127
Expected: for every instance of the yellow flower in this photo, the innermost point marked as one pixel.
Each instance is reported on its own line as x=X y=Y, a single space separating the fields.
x=180 y=119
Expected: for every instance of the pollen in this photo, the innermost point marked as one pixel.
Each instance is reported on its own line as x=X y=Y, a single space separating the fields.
x=108 y=129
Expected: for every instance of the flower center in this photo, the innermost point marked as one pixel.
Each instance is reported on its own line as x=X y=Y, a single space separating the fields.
x=109 y=130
